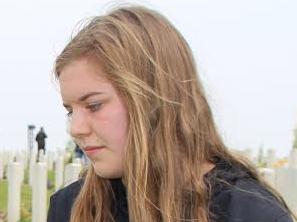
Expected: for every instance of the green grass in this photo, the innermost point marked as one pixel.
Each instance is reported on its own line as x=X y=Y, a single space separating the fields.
x=26 y=200
x=26 y=196
x=51 y=179
x=3 y=195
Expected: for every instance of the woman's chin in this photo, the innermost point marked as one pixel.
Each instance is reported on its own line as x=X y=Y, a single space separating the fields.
x=107 y=173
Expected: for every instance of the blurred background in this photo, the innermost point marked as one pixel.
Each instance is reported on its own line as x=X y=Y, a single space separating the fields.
x=246 y=53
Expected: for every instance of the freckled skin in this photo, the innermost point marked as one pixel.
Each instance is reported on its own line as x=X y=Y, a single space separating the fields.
x=102 y=124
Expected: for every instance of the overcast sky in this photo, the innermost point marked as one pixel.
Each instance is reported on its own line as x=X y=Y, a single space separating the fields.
x=246 y=53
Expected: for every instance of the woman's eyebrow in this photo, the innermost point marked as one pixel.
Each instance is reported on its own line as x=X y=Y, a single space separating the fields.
x=84 y=97
x=66 y=106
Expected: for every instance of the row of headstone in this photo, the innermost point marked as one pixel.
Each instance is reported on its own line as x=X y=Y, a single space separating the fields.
x=2 y=165
x=5 y=158
x=284 y=180
x=37 y=180
x=15 y=175
x=270 y=157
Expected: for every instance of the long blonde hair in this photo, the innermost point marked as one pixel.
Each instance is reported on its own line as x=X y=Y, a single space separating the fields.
x=171 y=128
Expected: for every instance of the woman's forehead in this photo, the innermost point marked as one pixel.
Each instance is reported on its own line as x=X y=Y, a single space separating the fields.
x=80 y=78
x=83 y=67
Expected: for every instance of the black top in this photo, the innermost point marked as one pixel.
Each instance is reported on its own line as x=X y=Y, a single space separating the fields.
x=235 y=197
x=40 y=138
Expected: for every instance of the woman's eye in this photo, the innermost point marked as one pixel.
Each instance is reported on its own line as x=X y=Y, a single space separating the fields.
x=69 y=113
x=94 y=107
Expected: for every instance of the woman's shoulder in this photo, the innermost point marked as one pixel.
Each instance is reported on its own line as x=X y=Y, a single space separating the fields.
x=247 y=200
x=61 y=202
x=237 y=196
x=69 y=191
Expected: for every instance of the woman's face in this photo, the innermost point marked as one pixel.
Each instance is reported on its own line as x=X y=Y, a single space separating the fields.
x=97 y=114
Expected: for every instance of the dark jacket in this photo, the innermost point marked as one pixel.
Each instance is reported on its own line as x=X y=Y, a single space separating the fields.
x=240 y=198
x=40 y=138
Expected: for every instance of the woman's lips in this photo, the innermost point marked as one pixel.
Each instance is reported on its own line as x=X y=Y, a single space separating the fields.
x=93 y=149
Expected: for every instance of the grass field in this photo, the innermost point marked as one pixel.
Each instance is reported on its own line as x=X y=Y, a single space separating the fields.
x=26 y=196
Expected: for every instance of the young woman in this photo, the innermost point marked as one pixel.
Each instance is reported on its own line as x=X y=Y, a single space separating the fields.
x=138 y=111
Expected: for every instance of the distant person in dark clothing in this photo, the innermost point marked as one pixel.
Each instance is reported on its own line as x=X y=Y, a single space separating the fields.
x=78 y=152
x=40 y=139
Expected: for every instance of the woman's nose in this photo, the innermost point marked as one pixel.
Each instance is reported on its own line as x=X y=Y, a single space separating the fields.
x=79 y=124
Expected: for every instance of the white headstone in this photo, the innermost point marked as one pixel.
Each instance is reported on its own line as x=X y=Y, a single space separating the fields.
x=33 y=156
x=269 y=175
x=14 y=171
x=59 y=172
x=20 y=159
x=39 y=193
x=72 y=171
x=77 y=160
x=25 y=154
x=293 y=158
x=1 y=166
x=6 y=157
x=10 y=156
x=248 y=153
x=50 y=160
x=270 y=158
x=286 y=183
x=42 y=156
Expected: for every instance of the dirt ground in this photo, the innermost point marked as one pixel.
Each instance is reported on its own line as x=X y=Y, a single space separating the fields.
x=2 y=217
